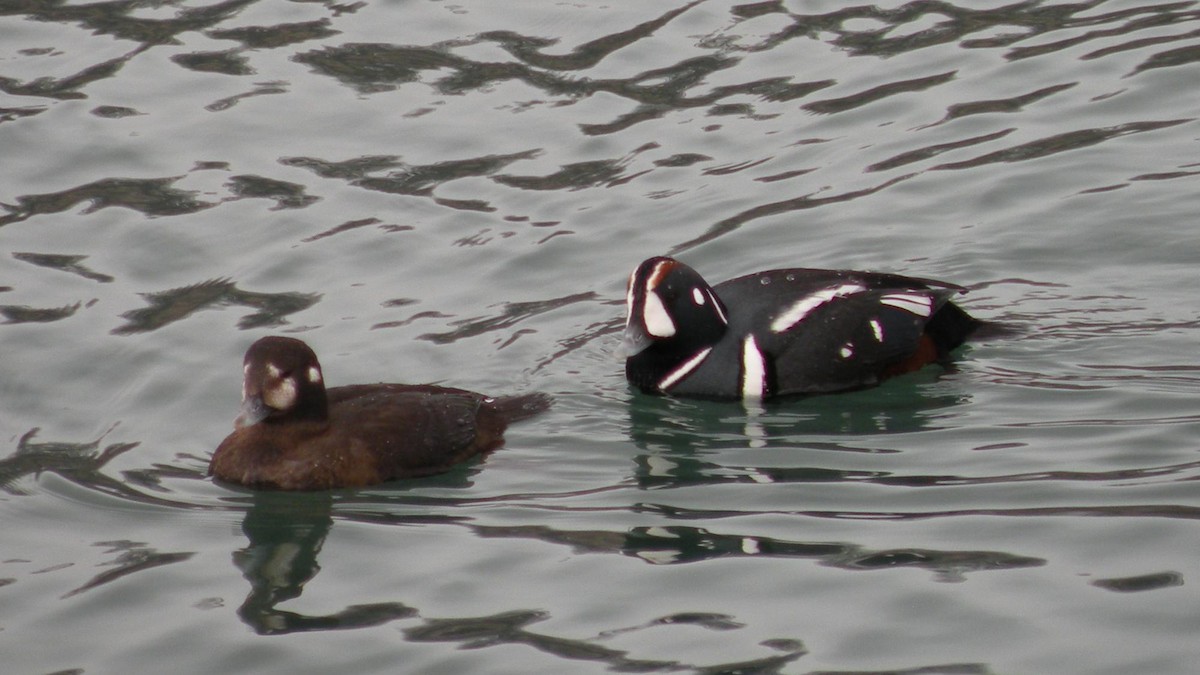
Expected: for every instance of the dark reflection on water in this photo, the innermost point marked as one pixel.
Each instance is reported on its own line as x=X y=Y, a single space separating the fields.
x=406 y=179
x=354 y=225
x=1168 y=511
x=79 y=463
x=1144 y=582
x=511 y=313
x=509 y=628
x=899 y=406
x=27 y=314
x=676 y=471
x=82 y=464
x=286 y=532
x=115 y=18
x=64 y=88
x=373 y=68
x=676 y=544
x=133 y=557
x=64 y=263
x=151 y=196
x=285 y=195
x=1064 y=142
x=279 y=35
x=167 y=307
x=1020 y=22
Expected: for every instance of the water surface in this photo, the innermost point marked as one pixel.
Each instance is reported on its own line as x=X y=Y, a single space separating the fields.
x=456 y=191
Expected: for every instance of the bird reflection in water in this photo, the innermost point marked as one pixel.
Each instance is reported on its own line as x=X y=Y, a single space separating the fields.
x=286 y=532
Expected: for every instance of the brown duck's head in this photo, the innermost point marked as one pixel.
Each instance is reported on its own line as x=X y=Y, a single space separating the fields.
x=282 y=380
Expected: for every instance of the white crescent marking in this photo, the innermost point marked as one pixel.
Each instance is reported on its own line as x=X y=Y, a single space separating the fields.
x=804 y=306
x=754 y=370
x=683 y=370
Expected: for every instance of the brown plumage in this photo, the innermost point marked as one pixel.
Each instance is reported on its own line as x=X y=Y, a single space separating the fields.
x=293 y=434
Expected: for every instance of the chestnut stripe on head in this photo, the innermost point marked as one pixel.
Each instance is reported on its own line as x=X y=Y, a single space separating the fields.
x=661 y=269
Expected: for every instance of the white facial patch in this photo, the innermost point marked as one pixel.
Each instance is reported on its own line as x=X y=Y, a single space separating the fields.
x=913 y=303
x=314 y=374
x=754 y=370
x=846 y=351
x=805 y=306
x=698 y=297
x=655 y=317
x=682 y=371
x=274 y=371
x=281 y=396
x=877 y=329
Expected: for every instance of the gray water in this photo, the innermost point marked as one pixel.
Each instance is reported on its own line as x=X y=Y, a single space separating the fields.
x=456 y=192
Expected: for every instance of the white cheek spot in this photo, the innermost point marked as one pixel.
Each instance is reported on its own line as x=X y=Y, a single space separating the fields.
x=846 y=351
x=913 y=303
x=754 y=370
x=274 y=371
x=281 y=396
x=654 y=315
x=698 y=297
x=681 y=372
x=314 y=374
x=805 y=306
x=877 y=330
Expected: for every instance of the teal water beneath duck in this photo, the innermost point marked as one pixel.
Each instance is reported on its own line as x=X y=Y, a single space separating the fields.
x=456 y=191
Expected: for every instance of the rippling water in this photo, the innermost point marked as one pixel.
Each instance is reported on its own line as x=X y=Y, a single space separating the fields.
x=455 y=192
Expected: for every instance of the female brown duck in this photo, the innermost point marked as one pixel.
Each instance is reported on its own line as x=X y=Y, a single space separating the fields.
x=293 y=434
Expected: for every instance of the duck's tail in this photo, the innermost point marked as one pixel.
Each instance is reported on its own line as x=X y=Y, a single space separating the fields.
x=522 y=406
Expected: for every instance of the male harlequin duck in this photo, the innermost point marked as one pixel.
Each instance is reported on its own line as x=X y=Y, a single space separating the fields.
x=792 y=331
x=293 y=434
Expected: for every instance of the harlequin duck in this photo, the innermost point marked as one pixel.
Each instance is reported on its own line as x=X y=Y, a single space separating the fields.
x=293 y=434
x=791 y=331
